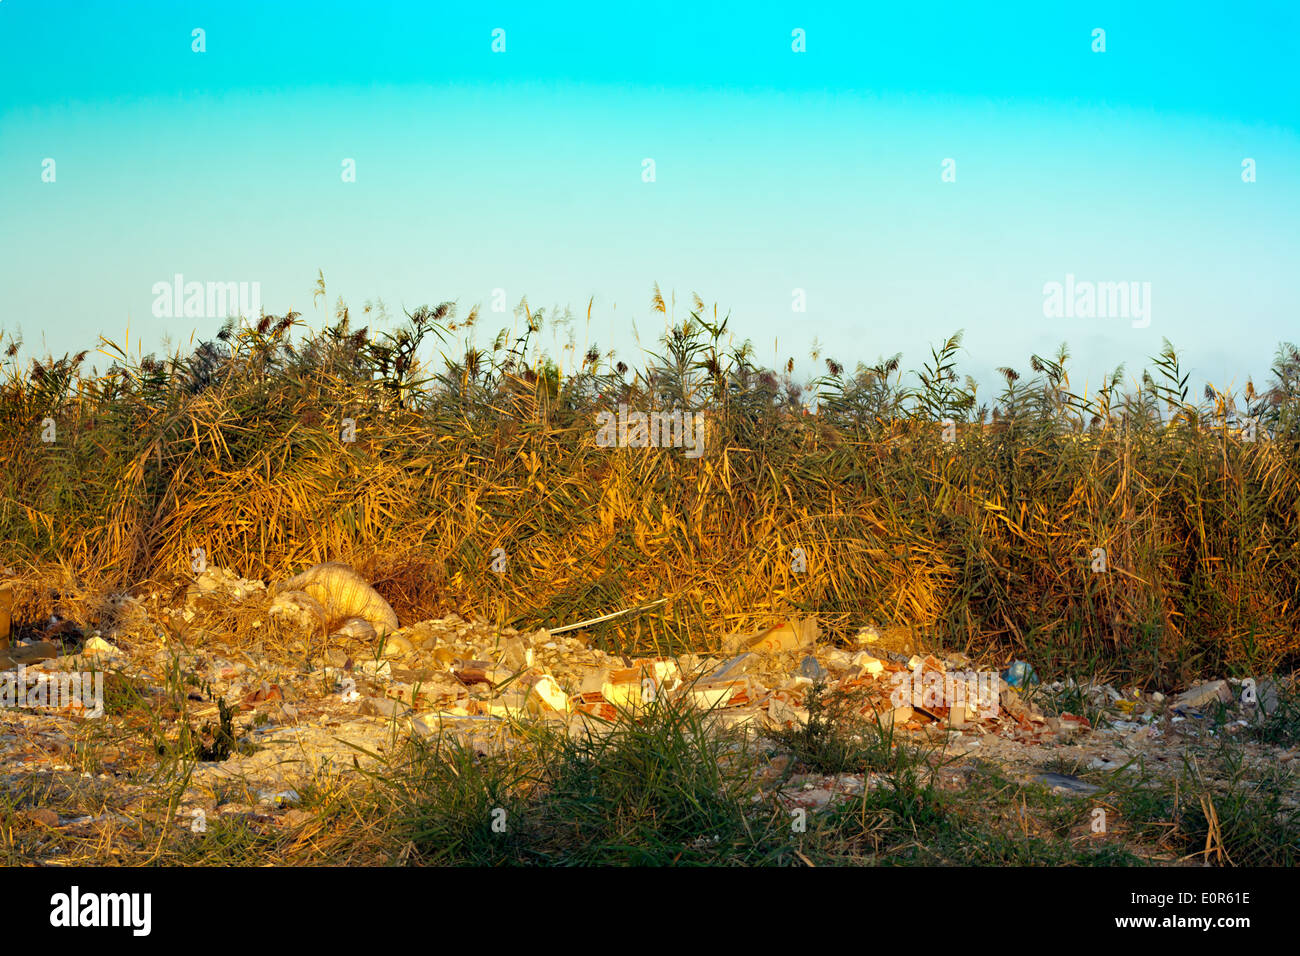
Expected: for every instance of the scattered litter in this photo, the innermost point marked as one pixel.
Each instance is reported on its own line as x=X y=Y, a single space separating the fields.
x=474 y=681
x=791 y=636
x=1064 y=782
x=809 y=668
x=279 y=797
x=1020 y=674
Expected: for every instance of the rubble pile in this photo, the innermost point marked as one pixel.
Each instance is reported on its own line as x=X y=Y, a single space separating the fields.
x=350 y=697
x=438 y=673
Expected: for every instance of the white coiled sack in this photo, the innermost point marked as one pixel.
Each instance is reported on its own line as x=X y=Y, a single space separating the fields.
x=343 y=596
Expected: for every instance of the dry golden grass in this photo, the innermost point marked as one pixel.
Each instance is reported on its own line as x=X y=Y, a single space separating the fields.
x=985 y=541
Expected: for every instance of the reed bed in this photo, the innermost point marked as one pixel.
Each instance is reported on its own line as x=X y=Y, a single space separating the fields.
x=845 y=496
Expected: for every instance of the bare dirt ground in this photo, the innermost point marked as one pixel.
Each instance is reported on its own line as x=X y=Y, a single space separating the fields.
x=217 y=709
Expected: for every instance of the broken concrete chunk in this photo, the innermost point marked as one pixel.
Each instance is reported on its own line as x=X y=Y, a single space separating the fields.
x=665 y=673
x=1203 y=695
x=594 y=705
x=593 y=681
x=1266 y=695
x=474 y=672
x=868 y=663
x=337 y=657
x=546 y=697
x=517 y=654
x=837 y=661
x=732 y=693
x=513 y=703
x=1013 y=704
x=784 y=714
x=899 y=715
x=98 y=647
x=396 y=646
x=381 y=669
x=623 y=688
x=707 y=698
x=384 y=707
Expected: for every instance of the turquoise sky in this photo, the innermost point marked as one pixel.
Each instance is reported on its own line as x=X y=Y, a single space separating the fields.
x=775 y=170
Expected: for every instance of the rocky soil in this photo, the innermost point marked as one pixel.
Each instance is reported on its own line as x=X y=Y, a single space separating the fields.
x=218 y=702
